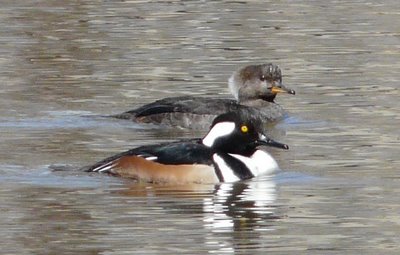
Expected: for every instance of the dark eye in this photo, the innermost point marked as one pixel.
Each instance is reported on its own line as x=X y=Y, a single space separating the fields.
x=262 y=78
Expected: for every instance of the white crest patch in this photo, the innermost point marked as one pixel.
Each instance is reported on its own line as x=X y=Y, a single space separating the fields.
x=233 y=87
x=226 y=172
x=261 y=162
x=219 y=130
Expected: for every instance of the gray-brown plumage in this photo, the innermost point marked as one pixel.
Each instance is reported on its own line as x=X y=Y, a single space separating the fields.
x=254 y=88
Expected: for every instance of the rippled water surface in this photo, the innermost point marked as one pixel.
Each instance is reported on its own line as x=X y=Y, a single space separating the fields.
x=63 y=64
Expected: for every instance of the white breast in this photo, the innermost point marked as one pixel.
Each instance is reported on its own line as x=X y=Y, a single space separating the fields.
x=261 y=162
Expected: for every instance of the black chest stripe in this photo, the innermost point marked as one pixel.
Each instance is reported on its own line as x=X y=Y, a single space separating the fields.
x=218 y=173
x=238 y=167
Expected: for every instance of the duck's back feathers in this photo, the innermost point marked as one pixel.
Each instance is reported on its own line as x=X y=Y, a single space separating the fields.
x=175 y=153
x=184 y=104
x=182 y=161
x=187 y=104
x=198 y=112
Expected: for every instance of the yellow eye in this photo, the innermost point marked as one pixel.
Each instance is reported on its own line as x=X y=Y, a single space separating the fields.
x=244 y=129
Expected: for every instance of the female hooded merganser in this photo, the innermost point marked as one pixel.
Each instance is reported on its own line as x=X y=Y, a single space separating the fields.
x=254 y=88
x=229 y=152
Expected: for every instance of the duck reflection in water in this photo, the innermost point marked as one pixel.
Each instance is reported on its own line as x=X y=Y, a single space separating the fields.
x=240 y=203
x=234 y=215
x=239 y=213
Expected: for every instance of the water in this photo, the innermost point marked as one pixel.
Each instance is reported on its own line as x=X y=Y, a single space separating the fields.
x=62 y=63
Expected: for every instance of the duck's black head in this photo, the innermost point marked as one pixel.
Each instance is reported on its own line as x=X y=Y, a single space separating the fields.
x=236 y=132
x=258 y=82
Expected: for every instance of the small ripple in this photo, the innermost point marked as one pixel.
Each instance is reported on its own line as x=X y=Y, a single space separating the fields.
x=287 y=177
x=68 y=121
x=47 y=178
x=295 y=121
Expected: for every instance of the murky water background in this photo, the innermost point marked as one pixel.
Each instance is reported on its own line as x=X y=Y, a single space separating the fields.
x=61 y=61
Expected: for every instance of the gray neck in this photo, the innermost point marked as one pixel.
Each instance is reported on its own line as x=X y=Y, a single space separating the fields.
x=258 y=103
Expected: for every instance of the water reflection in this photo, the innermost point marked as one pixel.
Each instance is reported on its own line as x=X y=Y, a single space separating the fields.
x=50 y=220
x=233 y=215
x=239 y=212
x=235 y=205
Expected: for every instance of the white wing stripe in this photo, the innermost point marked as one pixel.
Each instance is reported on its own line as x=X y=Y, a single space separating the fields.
x=105 y=167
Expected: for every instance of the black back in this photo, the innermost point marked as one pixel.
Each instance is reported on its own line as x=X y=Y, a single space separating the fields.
x=190 y=151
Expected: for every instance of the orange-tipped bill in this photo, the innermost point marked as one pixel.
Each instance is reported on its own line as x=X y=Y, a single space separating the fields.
x=282 y=89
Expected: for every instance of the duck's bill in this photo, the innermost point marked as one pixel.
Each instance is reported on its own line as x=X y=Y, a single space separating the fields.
x=272 y=143
x=282 y=89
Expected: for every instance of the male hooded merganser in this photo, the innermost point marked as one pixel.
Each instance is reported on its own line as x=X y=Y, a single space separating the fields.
x=229 y=152
x=254 y=88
